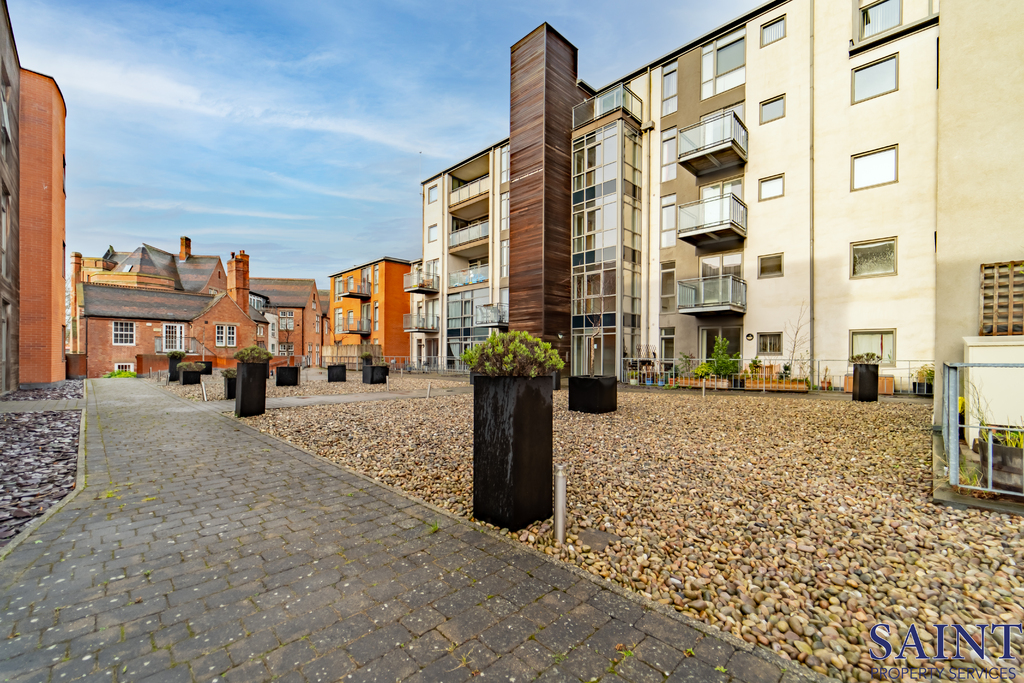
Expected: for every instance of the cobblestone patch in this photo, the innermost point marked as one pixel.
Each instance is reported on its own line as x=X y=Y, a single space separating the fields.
x=68 y=390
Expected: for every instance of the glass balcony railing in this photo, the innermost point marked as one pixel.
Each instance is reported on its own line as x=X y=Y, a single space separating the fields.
x=469 y=233
x=359 y=289
x=491 y=315
x=707 y=214
x=421 y=281
x=722 y=292
x=713 y=144
x=469 y=276
x=470 y=190
x=619 y=97
x=419 y=323
x=360 y=326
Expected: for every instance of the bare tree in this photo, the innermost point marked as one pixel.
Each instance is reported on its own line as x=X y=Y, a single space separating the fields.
x=797 y=335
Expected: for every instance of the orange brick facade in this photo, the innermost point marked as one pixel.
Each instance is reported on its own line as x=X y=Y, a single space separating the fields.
x=42 y=238
x=389 y=297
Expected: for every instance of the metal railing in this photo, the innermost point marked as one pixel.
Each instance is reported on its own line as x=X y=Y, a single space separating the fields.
x=708 y=213
x=711 y=292
x=897 y=377
x=358 y=288
x=189 y=345
x=469 y=233
x=355 y=326
x=426 y=323
x=439 y=365
x=712 y=133
x=469 y=276
x=470 y=189
x=419 y=279
x=491 y=314
x=619 y=97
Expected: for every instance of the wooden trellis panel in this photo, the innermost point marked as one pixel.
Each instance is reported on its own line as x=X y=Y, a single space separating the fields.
x=1002 y=299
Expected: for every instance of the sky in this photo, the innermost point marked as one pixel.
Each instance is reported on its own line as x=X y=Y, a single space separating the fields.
x=299 y=132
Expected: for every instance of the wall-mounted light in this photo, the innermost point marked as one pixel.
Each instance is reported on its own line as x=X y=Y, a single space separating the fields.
x=750 y=337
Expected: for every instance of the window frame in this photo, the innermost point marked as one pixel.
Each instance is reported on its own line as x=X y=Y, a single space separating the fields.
x=669 y=202
x=671 y=297
x=670 y=69
x=763 y=121
x=232 y=336
x=853 y=167
x=717 y=45
x=895 y=257
x=853 y=79
x=883 y=330
x=782 y=266
x=765 y=335
x=503 y=254
x=114 y=332
x=179 y=331
x=760 y=187
x=434 y=228
x=127 y=367
x=669 y=138
x=432 y=194
x=219 y=335
x=785 y=28
x=862 y=12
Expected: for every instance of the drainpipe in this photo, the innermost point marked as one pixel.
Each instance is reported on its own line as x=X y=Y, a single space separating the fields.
x=811 y=187
x=650 y=205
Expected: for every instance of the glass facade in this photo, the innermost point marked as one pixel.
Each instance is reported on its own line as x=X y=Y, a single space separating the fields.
x=461 y=333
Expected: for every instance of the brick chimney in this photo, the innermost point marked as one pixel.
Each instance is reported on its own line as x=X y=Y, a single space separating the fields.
x=186 y=248
x=238 y=279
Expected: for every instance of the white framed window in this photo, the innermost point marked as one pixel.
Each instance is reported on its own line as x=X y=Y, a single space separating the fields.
x=432 y=194
x=669 y=221
x=669 y=87
x=316 y=324
x=769 y=266
x=376 y=280
x=504 y=258
x=124 y=333
x=771 y=188
x=339 y=286
x=872 y=169
x=876 y=79
x=723 y=64
x=339 y=316
x=231 y=335
x=669 y=155
x=376 y=315
x=259 y=330
x=432 y=233
x=773 y=109
x=668 y=344
x=503 y=164
x=882 y=343
x=220 y=335
x=286 y=320
x=286 y=349
x=873 y=259
x=174 y=337
x=124 y=367
x=773 y=31
x=503 y=216
x=769 y=343
x=879 y=17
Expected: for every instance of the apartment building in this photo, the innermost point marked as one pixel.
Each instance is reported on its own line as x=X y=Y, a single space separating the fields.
x=773 y=182
x=10 y=263
x=370 y=309
x=297 y=305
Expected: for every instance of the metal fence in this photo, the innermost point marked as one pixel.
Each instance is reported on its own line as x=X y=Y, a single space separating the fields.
x=983 y=426
x=438 y=365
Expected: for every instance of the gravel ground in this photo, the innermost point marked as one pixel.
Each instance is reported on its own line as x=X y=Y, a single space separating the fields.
x=38 y=464
x=793 y=523
x=67 y=390
x=215 y=388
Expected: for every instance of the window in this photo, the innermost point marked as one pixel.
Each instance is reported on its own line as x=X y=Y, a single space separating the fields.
x=376 y=280
x=504 y=258
x=668 y=221
x=723 y=64
x=231 y=335
x=124 y=367
x=432 y=194
x=882 y=343
x=769 y=343
x=339 y=285
x=316 y=324
x=287 y=349
x=434 y=266
x=338 y=317
x=273 y=348
x=220 y=335
x=769 y=266
x=225 y=335
x=4 y=231
x=503 y=164
x=669 y=155
x=668 y=343
x=668 y=289
x=879 y=17
x=723 y=265
x=287 y=319
x=870 y=259
x=376 y=314
x=773 y=31
x=504 y=211
x=124 y=334
x=773 y=109
x=259 y=330
x=273 y=328
x=174 y=338
x=770 y=188
x=878 y=78
x=314 y=304
x=669 y=79
x=875 y=168
x=431 y=234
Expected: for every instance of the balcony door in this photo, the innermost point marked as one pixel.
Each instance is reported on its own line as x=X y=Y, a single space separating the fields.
x=716 y=212
x=733 y=335
x=719 y=126
x=365 y=315
x=174 y=337
x=712 y=269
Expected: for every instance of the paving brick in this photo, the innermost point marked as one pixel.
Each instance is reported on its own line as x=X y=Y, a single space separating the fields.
x=396 y=666
x=508 y=633
x=328 y=668
x=467 y=625
x=565 y=633
x=693 y=670
x=658 y=655
x=670 y=631
x=378 y=643
x=422 y=620
x=747 y=668
x=713 y=651
x=635 y=671
x=288 y=657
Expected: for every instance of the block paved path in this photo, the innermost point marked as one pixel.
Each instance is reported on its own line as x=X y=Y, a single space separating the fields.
x=202 y=550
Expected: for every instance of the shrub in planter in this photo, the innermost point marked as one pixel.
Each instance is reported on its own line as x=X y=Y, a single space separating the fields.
x=251 y=382
x=230 y=375
x=190 y=373
x=337 y=373
x=375 y=374
x=512 y=429
x=865 y=376
x=173 y=359
x=925 y=380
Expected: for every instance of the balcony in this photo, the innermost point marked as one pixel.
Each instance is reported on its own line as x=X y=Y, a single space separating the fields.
x=471 y=189
x=468 y=236
x=714 y=144
x=422 y=282
x=361 y=326
x=358 y=290
x=469 y=276
x=619 y=97
x=713 y=220
x=491 y=315
x=709 y=295
x=419 y=323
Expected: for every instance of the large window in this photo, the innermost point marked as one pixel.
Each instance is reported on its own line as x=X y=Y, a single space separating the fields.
x=773 y=109
x=882 y=343
x=769 y=343
x=669 y=80
x=723 y=64
x=124 y=334
x=876 y=79
x=769 y=266
x=669 y=155
x=871 y=259
x=875 y=168
x=225 y=335
x=668 y=221
x=287 y=319
x=879 y=17
x=668 y=287
x=174 y=338
x=431 y=196
x=773 y=31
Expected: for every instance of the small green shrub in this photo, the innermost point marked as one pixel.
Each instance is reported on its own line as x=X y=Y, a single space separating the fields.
x=253 y=354
x=191 y=367
x=366 y=357
x=866 y=359
x=722 y=363
x=703 y=371
x=229 y=373
x=120 y=373
x=176 y=355
x=513 y=354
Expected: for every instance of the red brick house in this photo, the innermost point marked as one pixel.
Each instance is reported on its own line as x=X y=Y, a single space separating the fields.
x=299 y=307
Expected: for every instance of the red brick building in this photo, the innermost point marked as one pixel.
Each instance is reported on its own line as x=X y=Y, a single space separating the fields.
x=298 y=305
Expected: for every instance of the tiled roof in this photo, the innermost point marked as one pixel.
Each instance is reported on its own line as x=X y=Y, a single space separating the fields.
x=190 y=275
x=286 y=292
x=257 y=315
x=108 y=301
x=151 y=261
x=195 y=272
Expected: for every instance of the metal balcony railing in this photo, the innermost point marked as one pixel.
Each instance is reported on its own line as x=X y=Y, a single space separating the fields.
x=360 y=289
x=619 y=97
x=469 y=233
x=714 y=143
x=469 y=276
x=470 y=190
x=715 y=214
x=491 y=315
x=421 y=281
x=355 y=326
x=712 y=294
x=419 y=323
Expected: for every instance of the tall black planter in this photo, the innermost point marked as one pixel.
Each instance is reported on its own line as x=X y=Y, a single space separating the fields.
x=375 y=374
x=287 y=376
x=593 y=394
x=229 y=388
x=251 y=389
x=865 y=382
x=337 y=373
x=556 y=380
x=172 y=369
x=512 y=470
x=190 y=377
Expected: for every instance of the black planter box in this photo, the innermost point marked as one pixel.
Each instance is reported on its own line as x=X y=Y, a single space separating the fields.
x=738 y=383
x=593 y=394
x=512 y=463
x=229 y=388
x=865 y=382
x=190 y=377
x=172 y=369
x=1007 y=466
x=473 y=374
x=207 y=367
x=251 y=389
x=375 y=374
x=923 y=388
x=337 y=373
x=556 y=380
x=287 y=376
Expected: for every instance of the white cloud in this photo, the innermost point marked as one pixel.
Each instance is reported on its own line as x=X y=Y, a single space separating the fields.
x=189 y=207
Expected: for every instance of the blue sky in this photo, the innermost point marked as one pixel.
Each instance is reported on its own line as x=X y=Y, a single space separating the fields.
x=298 y=131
